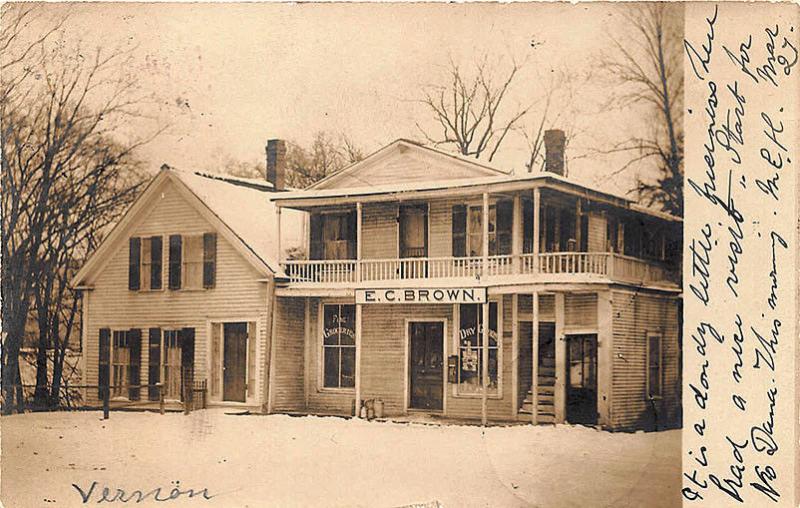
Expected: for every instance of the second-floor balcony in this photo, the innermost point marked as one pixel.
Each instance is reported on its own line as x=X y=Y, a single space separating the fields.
x=555 y=266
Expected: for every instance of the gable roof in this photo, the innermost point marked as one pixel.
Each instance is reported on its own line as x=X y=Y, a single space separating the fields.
x=238 y=208
x=406 y=161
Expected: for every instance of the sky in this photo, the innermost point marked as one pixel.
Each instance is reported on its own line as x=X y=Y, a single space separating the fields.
x=227 y=77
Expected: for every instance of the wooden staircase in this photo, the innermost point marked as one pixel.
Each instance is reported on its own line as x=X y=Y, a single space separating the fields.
x=545 y=397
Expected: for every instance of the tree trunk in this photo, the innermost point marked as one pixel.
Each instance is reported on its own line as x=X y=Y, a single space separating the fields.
x=40 y=393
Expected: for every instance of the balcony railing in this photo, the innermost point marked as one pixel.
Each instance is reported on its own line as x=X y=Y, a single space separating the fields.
x=601 y=264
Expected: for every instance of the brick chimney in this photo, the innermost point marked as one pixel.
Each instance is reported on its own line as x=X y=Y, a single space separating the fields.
x=276 y=163
x=554 y=142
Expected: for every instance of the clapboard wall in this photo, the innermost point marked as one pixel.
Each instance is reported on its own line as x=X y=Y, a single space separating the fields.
x=634 y=315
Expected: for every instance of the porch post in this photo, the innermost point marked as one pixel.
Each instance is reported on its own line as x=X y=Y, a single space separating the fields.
x=358 y=241
x=485 y=224
x=561 y=360
x=278 y=234
x=535 y=357
x=536 y=226
x=307 y=349
x=485 y=362
x=516 y=234
x=358 y=360
x=578 y=220
x=514 y=355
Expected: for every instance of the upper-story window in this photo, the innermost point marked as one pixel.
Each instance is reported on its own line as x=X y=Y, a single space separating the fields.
x=145 y=262
x=468 y=229
x=333 y=235
x=413 y=234
x=192 y=262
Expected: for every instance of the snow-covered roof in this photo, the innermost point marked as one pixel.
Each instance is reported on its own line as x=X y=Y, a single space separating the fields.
x=243 y=205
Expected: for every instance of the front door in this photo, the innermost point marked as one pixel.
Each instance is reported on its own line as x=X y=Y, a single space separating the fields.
x=234 y=362
x=582 y=379
x=426 y=341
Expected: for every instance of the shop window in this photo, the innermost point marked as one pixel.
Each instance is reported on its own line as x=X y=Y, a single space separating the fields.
x=470 y=349
x=655 y=369
x=339 y=346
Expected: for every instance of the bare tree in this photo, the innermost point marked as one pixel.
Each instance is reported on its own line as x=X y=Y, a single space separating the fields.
x=647 y=66
x=469 y=110
x=65 y=177
x=327 y=154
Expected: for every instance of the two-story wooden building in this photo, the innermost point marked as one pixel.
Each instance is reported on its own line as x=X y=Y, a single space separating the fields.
x=413 y=254
x=181 y=289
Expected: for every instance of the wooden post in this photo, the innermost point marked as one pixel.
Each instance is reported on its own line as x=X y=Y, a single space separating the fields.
x=485 y=224
x=485 y=364
x=272 y=351
x=358 y=241
x=605 y=360
x=536 y=232
x=514 y=355
x=516 y=234
x=561 y=360
x=358 y=360
x=278 y=232
x=535 y=357
x=161 y=398
x=578 y=220
x=106 y=395
x=187 y=392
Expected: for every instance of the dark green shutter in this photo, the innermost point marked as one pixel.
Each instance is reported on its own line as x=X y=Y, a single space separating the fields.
x=134 y=261
x=103 y=361
x=154 y=362
x=209 y=260
x=156 y=249
x=135 y=367
x=317 y=242
x=505 y=224
x=459 y=231
x=175 y=246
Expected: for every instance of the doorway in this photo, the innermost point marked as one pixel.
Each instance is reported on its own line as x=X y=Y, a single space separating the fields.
x=234 y=362
x=426 y=365
x=581 y=396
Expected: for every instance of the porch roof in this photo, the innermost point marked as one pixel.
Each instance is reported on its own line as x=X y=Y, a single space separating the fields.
x=307 y=199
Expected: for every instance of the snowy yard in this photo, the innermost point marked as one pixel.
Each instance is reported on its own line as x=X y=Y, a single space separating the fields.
x=282 y=461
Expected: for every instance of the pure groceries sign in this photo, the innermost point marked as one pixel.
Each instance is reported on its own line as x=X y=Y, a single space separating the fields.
x=427 y=295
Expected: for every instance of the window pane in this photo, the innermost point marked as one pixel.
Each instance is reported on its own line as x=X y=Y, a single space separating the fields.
x=331 y=367
x=347 y=324
x=475 y=231
x=493 y=324
x=330 y=332
x=468 y=332
x=348 y=367
x=493 y=364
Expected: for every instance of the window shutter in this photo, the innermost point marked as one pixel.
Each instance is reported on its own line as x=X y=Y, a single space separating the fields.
x=103 y=360
x=209 y=260
x=317 y=242
x=134 y=262
x=175 y=246
x=134 y=374
x=459 y=231
x=154 y=362
x=156 y=250
x=527 y=226
x=505 y=220
x=186 y=338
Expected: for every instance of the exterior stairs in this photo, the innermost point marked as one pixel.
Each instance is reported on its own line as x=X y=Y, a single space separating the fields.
x=545 y=397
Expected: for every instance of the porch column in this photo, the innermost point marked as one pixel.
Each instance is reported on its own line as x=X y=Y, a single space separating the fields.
x=516 y=234
x=536 y=200
x=605 y=362
x=561 y=360
x=278 y=233
x=578 y=220
x=514 y=354
x=485 y=361
x=535 y=357
x=307 y=351
x=485 y=225
x=358 y=241
x=358 y=360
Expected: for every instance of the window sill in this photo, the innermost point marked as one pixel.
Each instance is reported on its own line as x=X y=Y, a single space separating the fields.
x=340 y=391
x=492 y=396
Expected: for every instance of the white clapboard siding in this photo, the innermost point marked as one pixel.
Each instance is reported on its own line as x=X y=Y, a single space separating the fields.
x=287 y=380
x=580 y=310
x=238 y=293
x=635 y=315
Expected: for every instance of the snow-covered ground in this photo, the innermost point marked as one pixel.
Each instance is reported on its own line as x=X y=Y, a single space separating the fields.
x=277 y=460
